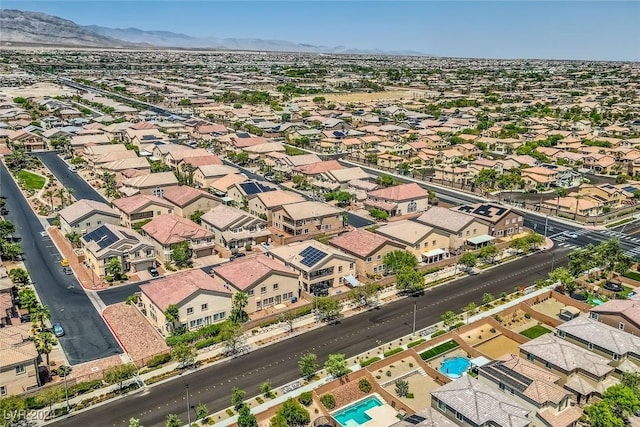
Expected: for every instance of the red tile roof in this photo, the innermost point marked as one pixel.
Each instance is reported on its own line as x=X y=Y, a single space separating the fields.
x=359 y=242
x=245 y=272
x=181 y=195
x=174 y=288
x=170 y=229
x=400 y=192
x=131 y=204
x=319 y=167
x=210 y=159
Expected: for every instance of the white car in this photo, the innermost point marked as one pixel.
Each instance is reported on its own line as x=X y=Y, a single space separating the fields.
x=571 y=235
x=266 y=246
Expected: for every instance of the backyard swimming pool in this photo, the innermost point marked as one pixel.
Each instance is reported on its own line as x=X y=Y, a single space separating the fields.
x=454 y=367
x=356 y=414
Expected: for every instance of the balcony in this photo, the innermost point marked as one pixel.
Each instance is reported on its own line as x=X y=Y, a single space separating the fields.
x=320 y=273
x=201 y=244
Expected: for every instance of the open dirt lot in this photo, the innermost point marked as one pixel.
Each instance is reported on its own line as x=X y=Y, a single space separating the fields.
x=498 y=346
x=362 y=97
x=38 y=90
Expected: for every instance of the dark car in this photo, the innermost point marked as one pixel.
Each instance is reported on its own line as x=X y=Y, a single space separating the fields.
x=4 y=211
x=237 y=255
x=153 y=272
x=67 y=270
x=613 y=287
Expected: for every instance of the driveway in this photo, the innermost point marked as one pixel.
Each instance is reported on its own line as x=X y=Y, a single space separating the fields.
x=68 y=179
x=87 y=336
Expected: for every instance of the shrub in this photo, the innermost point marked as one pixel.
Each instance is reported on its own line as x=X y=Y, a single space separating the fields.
x=328 y=401
x=438 y=333
x=392 y=352
x=206 y=343
x=259 y=399
x=439 y=349
x=388 y=373
x=498 y=318
x=368 y=362
x=527 y=316
x=409 y=396
x=457 y=325
x=305 y=398
x=364 y=385
x=159 y=360
x=415 y=343
x=230 y=412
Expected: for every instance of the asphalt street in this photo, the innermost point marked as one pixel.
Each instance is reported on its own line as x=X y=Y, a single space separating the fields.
x=87 y=336
x=58 y=167
x=278 y=362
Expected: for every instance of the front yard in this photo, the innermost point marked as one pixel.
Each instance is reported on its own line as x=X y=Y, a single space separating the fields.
x=30 y=180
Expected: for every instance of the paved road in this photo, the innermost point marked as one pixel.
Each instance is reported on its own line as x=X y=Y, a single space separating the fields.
x=87 y=337
x=58 y=167
x=278 y=362
x=629 y=243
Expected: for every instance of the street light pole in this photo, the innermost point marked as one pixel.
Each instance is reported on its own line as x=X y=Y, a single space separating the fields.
x=414 y=318
x=188 y=406
x=66 y=390
x=546 y=224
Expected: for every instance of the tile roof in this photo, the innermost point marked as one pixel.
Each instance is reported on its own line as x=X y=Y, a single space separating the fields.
x=222 y=216
x=278 y=198
x=400 y=193
x=319 y=167
x=175 y=288
x=82 y=208
x=482 y=404
x=210 y=159
x=445 y=219
x=567 y=356
x=244 y=272
x=627 y=308
x=169 y=229
x=182 y=195
x=227 y=181
x=132 y=204
x=601 y=335
x=561 y=419
x=310 y=209
x=359 y=242
x=406 y=231
x=152 y=180
x=15 y=347
x=290 y=254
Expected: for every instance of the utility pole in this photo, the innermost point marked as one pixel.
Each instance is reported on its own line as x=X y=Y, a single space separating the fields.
x=546 y=224
x=415 y=304
x=188 y=407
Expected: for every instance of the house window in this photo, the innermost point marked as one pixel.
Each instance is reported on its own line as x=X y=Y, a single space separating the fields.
x=467 y=232
x=275 y=286
x=412 y=207
x=3 y=390
x=306 y=231
x=369 y=259
x=250 y=293
x=502 y=387
x=561 y=334
x=204 y=307
x=593 y=315
x=442 y=406
x=460 y=234
x=263 y=290
x=459 y=416
x=88 y=224
x=530 y=357
x=433 y=243
x=20 y=369
x=339 y=269
x=189 y=310
x=98 y=222
x=590 y=346
x=547 y=365
x=616 y=356
x=621 y=326
x=379 y=257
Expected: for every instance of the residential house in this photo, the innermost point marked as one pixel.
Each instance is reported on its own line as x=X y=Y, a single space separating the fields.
x=263 y=204
x=461 y=227
x=204 y=176
x=585 y=373
x=502 y=220
x=85 y=215
x=140 y=208
x=175 y=157
x=611 y=342
x=320 y=267
x=150 y=184
x=390 y=161
x=240 y=192
x=467 y=401
x=18 y=361
x=308 y=218
x=426 y=243
x=285 y=163
x=621 y=314
x=399 y=199
x=121 y=165
x=339 y=179
x=165 y=231
x=266 y=282
x=134 y=252
x=600 y=163
x=200 y=299
x=234 y=228
x=369 y=250
x=188 y=200
x=27 y=140
x=313 y=169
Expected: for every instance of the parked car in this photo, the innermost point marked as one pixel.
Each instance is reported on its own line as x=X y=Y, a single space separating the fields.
x=266 y=246
x=153 y=272
x=571 y=235
x=25 y=318
x=72 y=168
x=57 y=330
x=613 y=287
x=237 y=255
x=67 y=270
x=4 y=211
x=64 y=262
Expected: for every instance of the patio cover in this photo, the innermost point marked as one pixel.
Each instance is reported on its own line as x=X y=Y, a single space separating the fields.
x=433 y=252
x=352 y=280
x=480 y=239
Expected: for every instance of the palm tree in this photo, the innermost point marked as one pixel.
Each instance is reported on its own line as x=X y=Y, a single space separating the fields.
x=559 y=192
x=60 y=192
x=40 y=314
x=44 y=342
x=49 y=195
x=578 y=197
x=69 y=192
x=172 y=316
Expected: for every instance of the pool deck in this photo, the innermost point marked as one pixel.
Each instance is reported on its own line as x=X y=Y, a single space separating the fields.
x=381 y=416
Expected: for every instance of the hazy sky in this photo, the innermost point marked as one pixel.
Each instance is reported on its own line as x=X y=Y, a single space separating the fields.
x=607 y=30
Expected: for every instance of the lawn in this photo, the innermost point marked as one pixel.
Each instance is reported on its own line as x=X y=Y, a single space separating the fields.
x=535 y=332
x=31 y=180
x=632 y=275
x=439 y=349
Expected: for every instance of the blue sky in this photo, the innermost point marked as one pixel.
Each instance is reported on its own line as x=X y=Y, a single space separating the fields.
x=602 y=30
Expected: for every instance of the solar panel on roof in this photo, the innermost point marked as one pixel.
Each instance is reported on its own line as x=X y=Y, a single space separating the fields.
x=102 y=236
x=311 y=256
x=414 y=419
x=629 y=188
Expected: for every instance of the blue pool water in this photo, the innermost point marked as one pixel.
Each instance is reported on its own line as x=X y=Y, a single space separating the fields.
x=355 y=415
x=597 y=301
x=454 y=367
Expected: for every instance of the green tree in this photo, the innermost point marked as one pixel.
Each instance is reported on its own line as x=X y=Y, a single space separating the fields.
x=534 y=241
x=385 y=180
x=239 y=303
x=379 y=214
x=487 y=298
x=242 y=158
x=120 y=373
x=299 y=181
x=27 y=298
x=308 y=365
x=601 y=415
x=402 y=388
x=237 y=398
x=449 y=318
x=173 y=421
x=231 y=336
x=196 y=216
x=44 y=342
x=364 y=295
x=336 y=365
x=40 y=314
x=11 y=251
x=396 y=260
x=631 y=380
x=470 y=309
x=14 y=405
x=74 y=238
x=181 y=254
x=409 y=280
x=202 y=411
x=184 y=354
x=563 y=275
x=114 y=267
x=292 y=413
x=519 y=244
x=559 y=192
x=51 y=395
x=488 y=253
x=622 y=400
x=134 y=422
x=19 y=276
x=469 y=260
x=246 y=418
x=265 y=389
x=329 y=309
x=6 y=228
x=172 y=316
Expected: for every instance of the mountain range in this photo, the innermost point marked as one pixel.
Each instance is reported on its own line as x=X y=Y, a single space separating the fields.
x=39 y=28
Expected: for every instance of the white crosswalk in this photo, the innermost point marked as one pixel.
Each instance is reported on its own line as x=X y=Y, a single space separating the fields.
x=568 y=245
x=635 y=252
x=619 y=235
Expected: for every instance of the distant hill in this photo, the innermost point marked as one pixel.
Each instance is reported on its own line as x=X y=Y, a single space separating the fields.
x=34 y=27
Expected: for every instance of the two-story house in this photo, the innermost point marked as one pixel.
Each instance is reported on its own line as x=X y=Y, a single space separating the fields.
x=459 y=225
x=621 y=314
x=266 y=282
x=188 y=200
x=234 y=228
x=428 y=244
x=263 y=204
x=165 y=231
x=399 y=200
x=200 y=299
x=86 y=215
x=140 y=208
x=18 y=361
x=150 y=184
x=502 y=220
x=308 y=219
x=369 y=250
